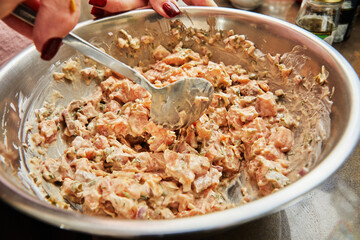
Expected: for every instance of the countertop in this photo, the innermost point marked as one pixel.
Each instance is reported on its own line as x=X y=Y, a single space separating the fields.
x=331 y=211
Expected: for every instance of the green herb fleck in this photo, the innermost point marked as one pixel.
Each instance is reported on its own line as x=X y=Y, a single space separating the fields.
x=126 y=194
x=143 y=197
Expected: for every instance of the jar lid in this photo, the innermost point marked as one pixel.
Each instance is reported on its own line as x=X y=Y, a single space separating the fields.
x=328 y=1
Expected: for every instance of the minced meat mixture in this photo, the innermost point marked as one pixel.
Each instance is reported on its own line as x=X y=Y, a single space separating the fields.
x=120 y=163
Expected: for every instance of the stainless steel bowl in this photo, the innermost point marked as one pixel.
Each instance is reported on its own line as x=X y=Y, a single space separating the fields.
x=246 y=4
x=23 y=75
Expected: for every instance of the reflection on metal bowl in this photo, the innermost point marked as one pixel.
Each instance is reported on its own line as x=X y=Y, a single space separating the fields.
x=246 y=4
x=20 y=79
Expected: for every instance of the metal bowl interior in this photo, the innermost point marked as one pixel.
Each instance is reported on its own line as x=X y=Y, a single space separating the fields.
x=23 y=75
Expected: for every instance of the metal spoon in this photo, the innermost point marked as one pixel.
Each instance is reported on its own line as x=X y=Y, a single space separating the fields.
x=174 y=106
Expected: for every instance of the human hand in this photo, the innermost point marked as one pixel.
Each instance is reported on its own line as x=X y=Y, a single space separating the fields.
x=55 y=19
x=166 y=8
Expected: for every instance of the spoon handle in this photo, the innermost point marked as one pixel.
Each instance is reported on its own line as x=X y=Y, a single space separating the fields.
x=105 y=59
x=28 y=15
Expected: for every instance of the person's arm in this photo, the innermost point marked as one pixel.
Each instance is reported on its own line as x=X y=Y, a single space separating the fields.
x=55 y=19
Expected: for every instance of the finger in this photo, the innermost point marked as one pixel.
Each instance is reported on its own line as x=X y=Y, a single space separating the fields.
x=7 y=6
x=55 y=19
x=209 y=3
x=100 y=13
x=166 y=8
x=114 y=6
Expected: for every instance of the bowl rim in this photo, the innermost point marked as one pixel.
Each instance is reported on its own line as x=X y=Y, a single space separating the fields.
x=14 y=196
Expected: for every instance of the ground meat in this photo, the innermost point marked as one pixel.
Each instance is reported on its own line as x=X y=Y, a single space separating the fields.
x=119 y=163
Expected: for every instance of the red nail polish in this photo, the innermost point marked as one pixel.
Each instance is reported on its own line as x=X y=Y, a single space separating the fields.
x=98 y=3
x=171 y=9
x=97 y=12
x=50 y=48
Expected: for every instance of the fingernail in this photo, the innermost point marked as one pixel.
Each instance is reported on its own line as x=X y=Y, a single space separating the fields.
x=50 y=48
x=97 y=12
x=171 y=9
x=98 y=3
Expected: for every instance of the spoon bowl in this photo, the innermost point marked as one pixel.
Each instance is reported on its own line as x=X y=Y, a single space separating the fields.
x=181 y=103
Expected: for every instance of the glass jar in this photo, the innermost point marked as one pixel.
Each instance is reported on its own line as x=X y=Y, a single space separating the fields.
x=320 y=17
x=348 y=14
